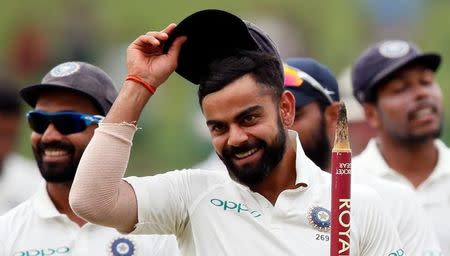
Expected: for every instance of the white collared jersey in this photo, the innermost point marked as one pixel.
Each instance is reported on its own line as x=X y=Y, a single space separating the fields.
x=433 y=194
x=212 y=215
x=413 y=227
x=36 y=228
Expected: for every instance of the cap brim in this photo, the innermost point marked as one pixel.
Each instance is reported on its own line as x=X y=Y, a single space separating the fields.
x=30 y=94
x=211 y=35
x=430 y=60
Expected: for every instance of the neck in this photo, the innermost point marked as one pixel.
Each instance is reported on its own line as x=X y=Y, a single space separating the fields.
x=415 y=162
x=59 y=194
x=281 y=178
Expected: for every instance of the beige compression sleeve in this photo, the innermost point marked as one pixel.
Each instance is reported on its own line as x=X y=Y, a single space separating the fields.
x=98 y=193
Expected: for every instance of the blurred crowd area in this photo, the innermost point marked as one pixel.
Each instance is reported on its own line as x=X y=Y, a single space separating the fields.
x=37 y=35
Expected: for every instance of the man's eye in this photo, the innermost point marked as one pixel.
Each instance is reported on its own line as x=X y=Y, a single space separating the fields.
x=217 y=128
x=249 y=119
x=399 y=87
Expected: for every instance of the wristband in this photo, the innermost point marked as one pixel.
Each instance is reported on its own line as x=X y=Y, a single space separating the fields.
x=137 y=79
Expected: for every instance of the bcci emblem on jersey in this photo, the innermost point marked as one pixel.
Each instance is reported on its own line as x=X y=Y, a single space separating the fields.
x=122 y=246
x=319 y=218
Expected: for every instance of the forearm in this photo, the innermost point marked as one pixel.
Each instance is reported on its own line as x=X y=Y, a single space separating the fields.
x=98 y=193
x=129 y=104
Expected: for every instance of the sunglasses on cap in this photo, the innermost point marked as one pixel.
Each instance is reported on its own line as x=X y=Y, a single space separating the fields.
x=294 y=77
x=65 y=122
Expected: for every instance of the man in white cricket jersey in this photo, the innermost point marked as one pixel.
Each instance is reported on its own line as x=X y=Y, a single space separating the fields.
x=316 y=100
x=67 y=106
x=273 y=201
x=395 y=83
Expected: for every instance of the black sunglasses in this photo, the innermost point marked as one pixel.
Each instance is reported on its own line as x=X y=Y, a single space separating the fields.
x=65 y=122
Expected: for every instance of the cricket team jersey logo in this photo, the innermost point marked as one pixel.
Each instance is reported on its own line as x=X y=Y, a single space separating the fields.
x=122 y=246
x=319 y=218
x=394 y=49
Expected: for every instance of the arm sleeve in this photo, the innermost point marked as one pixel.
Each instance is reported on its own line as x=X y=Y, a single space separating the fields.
x=98 y=193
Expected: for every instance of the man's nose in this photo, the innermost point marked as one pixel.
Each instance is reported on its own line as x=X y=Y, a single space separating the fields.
x=237 y=136
x=51 y=134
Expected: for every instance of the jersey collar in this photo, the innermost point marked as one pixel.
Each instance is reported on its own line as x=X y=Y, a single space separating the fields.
x=43 y=205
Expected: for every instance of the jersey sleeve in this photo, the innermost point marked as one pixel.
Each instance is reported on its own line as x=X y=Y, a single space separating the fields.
x=379 y=236
x=163 y=202
x=414 y=228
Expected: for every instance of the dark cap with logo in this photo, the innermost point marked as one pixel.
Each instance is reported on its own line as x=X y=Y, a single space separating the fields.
x=213 y=35
x=79 y=77
x=310 y=81
x=383 y=59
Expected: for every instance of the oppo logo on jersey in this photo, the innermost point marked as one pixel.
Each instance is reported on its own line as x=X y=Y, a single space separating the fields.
x=232 y=206
x=399 y=252
x=44 y=252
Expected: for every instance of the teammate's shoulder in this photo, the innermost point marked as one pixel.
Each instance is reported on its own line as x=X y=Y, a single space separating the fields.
x=383 y=185
x=362 y=194
x=191 y=176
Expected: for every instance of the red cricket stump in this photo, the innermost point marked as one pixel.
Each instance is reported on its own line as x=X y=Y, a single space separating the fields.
x=340 y=187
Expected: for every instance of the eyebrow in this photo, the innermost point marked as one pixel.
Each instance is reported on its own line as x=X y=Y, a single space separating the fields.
x=239 y=116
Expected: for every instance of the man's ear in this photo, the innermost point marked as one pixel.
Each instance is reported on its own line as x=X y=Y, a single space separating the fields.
x=287 y=108
x=372 y=115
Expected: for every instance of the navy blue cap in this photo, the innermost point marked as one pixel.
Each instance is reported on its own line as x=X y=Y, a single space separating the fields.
x=79 y=77
x=381 y=60
x=310 y=81
x=213 y=35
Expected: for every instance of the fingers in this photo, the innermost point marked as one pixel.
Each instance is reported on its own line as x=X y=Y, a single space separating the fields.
x=175 y=48
x=169 y=29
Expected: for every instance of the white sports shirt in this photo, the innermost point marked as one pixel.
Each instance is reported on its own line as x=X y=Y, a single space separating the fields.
x=19 y=179
x=212 y=215
x=433 y=193
x=415 y=231
x=36 y=228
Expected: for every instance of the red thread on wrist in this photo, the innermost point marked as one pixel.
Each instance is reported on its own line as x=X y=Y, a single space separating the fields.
x=137 y=79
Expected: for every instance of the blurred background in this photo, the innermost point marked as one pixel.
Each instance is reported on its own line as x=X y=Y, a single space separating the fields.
x=36 y=35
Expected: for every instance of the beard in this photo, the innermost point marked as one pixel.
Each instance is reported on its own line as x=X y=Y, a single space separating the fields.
x=411 y=138
x=320 y=151
x=414 y=139
x=252 y=174
x=57 y=172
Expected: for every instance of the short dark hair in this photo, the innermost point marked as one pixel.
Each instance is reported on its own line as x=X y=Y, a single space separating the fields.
x=264 y=68
x=9 y=97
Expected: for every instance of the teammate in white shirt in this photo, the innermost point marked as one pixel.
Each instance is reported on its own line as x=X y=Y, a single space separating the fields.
x=276 y=201
x=19 y=177
x=394 y=81
x=315 y=120
x=68 y=105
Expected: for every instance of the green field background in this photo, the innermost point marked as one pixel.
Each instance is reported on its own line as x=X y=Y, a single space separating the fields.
x=171 y=134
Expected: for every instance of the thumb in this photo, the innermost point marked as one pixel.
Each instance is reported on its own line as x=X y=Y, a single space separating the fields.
x=174 y=50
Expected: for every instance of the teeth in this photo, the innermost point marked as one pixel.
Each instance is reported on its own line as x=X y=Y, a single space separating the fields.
x=423 y=112
x=246 y=154
x=55 y=152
